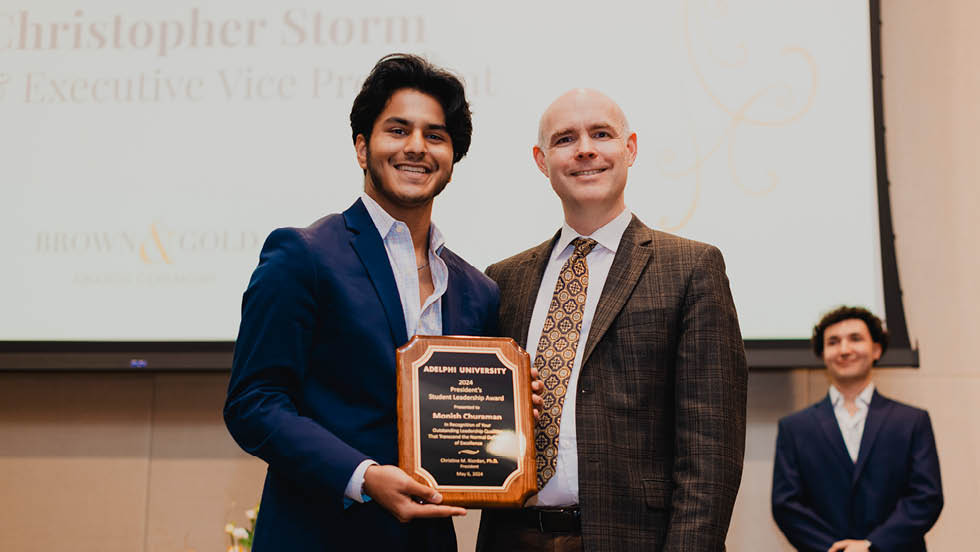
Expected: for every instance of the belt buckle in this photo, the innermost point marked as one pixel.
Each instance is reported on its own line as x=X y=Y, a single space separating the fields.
x=558 y=518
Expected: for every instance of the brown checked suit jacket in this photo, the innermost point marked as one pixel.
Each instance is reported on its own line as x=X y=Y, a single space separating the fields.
x=660 y=412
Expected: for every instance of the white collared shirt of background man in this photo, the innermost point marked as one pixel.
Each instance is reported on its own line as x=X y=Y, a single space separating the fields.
x=852 y=427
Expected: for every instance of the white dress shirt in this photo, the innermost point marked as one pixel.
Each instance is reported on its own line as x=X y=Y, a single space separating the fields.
x=420 y=319
x=852 y=427
x=562 y=488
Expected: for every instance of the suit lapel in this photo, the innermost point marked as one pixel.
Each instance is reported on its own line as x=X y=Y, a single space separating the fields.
x=831 y=430
x=531 y=272
x=371 y=250
x=878 y=412
x=453 y=299
x=631 y=258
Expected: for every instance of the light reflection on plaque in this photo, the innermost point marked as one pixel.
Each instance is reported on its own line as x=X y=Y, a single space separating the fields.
x=506 y=444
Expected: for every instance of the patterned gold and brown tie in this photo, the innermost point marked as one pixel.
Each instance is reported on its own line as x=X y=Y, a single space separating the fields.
x=556 y=353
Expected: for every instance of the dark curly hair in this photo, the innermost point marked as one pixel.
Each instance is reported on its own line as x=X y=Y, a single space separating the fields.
x=878 y=333
x=396 y=72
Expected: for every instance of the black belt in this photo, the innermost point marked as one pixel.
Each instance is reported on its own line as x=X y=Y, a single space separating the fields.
x=553 y=520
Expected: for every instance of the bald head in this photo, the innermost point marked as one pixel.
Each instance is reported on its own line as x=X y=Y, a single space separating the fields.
x=555 y=117
x=585 y=148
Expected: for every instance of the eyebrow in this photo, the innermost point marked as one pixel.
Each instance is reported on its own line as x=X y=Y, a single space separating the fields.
x=851 y=335
x=594 y=126
x=406 y=122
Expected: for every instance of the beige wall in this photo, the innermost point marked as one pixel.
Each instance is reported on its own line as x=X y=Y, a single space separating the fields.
x=931 y=85
x=111 y=462
x=139 y=462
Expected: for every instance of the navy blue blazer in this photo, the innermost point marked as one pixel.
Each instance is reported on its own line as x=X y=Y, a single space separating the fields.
x=891 y=496
x=312 y=389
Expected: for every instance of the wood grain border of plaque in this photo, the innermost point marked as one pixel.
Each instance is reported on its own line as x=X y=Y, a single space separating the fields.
x=465 y=419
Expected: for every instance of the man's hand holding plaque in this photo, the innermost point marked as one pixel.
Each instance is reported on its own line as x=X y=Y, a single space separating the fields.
x=466 y=419
x=537 y=388
x=403 y=496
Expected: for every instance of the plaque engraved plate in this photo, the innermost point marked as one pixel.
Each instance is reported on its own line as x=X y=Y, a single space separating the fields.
x=465 y=422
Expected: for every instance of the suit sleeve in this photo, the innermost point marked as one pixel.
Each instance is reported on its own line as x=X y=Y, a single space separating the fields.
x=270 y=364
x=493 y=272
x=918 y=509
x=491 y=321
x=803 y=527
x=492 y=325
x=709 y=400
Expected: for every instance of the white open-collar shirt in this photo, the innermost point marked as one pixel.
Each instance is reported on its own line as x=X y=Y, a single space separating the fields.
x=421 y=319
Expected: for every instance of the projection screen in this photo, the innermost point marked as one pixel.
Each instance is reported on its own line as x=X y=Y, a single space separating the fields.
x=149 y=148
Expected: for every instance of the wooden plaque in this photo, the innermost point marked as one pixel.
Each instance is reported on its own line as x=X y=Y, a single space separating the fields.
x=465 y=420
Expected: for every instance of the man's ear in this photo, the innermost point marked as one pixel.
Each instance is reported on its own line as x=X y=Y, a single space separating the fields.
x=631 y=148
x=876 y=352
x=360 y=146
x=540 y=160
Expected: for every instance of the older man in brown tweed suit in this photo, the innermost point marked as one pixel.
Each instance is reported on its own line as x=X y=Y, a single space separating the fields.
x=641 y=440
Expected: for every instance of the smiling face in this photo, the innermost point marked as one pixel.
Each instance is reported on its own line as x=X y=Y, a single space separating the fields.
x=409 y=158
x=585 y=149
x=849 y=352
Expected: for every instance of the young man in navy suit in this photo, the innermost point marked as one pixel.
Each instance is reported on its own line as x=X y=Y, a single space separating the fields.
x=312 y=390
x=856 y=471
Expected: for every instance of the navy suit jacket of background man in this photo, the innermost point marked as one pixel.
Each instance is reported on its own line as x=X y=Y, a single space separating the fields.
x=313 y=384
x=891 y=496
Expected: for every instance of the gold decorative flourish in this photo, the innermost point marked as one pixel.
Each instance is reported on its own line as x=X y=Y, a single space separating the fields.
x=158 y=242
x=737 y=116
